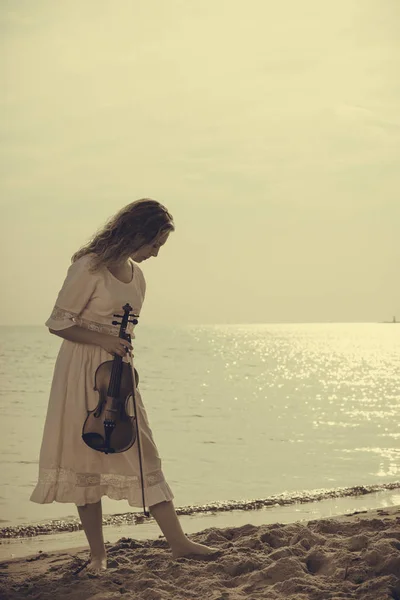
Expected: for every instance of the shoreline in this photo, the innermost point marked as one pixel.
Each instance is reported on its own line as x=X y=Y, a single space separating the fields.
x=118 y=526
x=352 y=556
x=134 y=518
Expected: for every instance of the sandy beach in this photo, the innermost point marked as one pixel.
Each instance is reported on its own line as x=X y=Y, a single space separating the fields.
x=350 y=556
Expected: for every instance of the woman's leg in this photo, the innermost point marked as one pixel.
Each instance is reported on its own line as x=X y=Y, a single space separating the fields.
x=167 y=519
x=91 y=518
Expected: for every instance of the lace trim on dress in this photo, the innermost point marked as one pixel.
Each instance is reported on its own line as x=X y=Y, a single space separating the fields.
x=59 y=314
x=115 y=480
x=94 y=326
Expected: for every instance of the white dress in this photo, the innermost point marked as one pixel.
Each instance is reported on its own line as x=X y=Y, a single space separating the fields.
x=69 y=470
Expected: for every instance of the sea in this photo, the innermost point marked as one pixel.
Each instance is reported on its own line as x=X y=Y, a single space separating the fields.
x=238 y=412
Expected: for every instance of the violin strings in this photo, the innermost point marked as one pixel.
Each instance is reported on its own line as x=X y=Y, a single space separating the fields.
x=116 y=373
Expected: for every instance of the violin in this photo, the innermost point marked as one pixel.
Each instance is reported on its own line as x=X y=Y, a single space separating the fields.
x=109 y=428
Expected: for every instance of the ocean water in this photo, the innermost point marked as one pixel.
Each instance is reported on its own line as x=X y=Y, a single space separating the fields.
x=237 y=411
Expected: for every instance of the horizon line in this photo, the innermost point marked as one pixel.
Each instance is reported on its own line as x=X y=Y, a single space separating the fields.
x=231 y=323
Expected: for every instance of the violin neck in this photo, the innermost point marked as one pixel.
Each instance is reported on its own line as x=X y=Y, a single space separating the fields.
x=116 y=372
x=117 y=368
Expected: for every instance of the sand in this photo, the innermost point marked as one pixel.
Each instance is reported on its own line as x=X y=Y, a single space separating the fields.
x=351 y=556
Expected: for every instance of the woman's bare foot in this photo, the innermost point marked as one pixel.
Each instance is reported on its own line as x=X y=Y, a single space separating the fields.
x=97 y=564
x=193 y=548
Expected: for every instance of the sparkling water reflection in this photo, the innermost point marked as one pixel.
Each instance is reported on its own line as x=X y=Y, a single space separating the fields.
x=238 y=411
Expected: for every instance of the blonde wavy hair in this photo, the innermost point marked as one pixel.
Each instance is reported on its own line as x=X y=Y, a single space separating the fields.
x=140 y=222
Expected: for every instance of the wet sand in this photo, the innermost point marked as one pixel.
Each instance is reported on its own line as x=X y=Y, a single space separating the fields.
x=350 y=556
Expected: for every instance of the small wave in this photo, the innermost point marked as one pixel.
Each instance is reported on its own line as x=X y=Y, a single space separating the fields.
x=73 y=524
x=20 y=462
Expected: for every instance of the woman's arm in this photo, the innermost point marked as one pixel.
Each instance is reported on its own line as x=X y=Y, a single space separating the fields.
x=110 y=343
x=80 y=334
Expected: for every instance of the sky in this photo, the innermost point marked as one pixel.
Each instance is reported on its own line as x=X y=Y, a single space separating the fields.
x=270 y=130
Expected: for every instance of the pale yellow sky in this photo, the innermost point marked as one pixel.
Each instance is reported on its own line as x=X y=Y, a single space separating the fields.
x=271 y=131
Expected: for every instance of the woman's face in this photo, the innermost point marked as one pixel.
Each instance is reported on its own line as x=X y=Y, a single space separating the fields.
x=148 y=250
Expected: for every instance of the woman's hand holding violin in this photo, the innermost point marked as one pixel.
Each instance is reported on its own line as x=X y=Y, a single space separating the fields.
x=115 y=345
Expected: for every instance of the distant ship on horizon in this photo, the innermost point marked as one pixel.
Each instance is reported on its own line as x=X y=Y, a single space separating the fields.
x=392 y=321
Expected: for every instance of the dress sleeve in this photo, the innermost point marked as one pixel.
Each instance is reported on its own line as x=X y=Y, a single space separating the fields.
x=74 y=295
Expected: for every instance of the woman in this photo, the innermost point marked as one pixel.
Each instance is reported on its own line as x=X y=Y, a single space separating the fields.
x=103 y=277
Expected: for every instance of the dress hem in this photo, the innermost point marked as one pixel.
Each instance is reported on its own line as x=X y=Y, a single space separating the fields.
x=46 y=494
